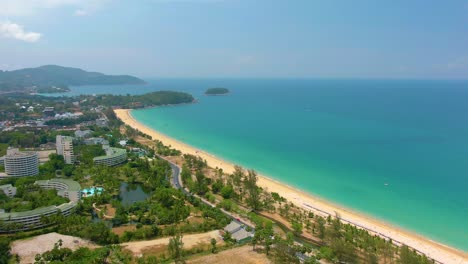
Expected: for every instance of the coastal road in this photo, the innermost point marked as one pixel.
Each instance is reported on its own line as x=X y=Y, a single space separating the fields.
x=176 y=182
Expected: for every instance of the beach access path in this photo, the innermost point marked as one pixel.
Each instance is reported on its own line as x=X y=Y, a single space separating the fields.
x=437 y=251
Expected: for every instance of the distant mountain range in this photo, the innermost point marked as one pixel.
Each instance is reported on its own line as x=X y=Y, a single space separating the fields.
x=49 y=77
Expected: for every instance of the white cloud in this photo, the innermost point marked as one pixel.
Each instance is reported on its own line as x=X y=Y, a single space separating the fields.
x=31 y=7
x=15 y=31
x=81 y=12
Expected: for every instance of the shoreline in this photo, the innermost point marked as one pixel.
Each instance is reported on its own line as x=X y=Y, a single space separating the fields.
x=435 y=250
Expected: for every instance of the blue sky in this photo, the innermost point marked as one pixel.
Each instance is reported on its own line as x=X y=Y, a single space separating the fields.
x=240 y=38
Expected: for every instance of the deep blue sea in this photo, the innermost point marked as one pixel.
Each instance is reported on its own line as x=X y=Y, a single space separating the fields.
x=396 y=150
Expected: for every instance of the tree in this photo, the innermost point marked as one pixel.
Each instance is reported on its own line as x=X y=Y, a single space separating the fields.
x=217 y=186
x=227 y=237
x=201 y=186
x=4 y=249
x=283 y=253
x=253 y=192
x=213 y=245
x=321 y=227
x=297 y=228
x=227 y=191
x=176 y=249
x=344 y=251
x=236 y=180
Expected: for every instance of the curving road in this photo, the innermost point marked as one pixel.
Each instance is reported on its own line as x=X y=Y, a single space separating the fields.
x=176 y=182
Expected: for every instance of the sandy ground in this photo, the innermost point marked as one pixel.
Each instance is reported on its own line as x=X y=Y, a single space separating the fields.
x=190 y=241
x=244 y=255
x=28 y=248
x=437 y=251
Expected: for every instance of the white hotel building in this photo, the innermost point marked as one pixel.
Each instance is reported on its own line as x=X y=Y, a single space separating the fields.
x=65 y=148
x=20 y=163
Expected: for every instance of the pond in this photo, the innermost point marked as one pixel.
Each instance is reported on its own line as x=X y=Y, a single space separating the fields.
x=130 y=193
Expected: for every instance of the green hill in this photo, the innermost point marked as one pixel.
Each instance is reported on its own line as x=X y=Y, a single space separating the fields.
x=50 y=76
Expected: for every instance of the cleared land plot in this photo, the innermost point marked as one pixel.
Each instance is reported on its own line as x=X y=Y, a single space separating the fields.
x=158 y=246
x=121 y=229
x=28 y=248
x=244 y=255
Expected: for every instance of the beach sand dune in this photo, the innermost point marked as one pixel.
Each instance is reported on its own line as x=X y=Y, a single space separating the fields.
x=432 y=249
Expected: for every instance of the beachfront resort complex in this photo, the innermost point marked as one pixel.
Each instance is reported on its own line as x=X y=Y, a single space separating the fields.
x=268 y=132
x=18 y=163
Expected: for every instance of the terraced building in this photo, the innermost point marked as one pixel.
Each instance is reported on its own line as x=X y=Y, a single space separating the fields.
x=21 y=221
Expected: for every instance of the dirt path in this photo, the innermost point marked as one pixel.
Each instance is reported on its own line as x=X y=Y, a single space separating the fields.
x=190 y=241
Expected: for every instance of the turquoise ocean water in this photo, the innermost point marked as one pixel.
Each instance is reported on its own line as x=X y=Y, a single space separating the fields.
x=342 y=140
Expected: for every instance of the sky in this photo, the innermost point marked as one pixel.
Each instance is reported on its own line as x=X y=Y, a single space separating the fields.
x=422 y=39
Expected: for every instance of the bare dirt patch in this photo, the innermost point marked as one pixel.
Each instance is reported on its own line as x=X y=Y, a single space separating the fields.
x=244 y=255
x=190 y=241
x=28 y=248
x=121 y=229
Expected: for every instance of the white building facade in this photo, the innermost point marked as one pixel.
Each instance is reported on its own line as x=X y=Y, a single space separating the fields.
x=65 y=148
x=21 y=164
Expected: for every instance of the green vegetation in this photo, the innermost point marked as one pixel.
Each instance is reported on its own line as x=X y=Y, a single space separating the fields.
x=88 y=152
x=282 y=230
x=52 y=89
x=216 y=91
x=24 y=138
x=49 y=76
x=145 y=100
x=175 y=249
x=333 y=240
x=4 y=249
x=3 y=149
x=29 y=196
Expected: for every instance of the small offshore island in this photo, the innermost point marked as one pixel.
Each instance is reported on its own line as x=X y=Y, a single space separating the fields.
x=216 y=91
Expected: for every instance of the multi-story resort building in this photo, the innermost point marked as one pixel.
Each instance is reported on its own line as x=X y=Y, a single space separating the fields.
x=20 y=221
x=65 y=188
x=20 y=163
x=65 y=148
x=114 y=156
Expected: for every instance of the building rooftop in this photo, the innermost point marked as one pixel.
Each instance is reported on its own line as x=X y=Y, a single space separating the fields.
x=96 y=140
x=14 y=152
x=241 y=234
x=111 y=152
x=233 y=227
x=72 y=185
x=66 y=138
x=37 y=211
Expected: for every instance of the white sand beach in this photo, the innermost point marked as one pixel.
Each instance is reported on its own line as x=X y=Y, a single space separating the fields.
x=432 y=249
